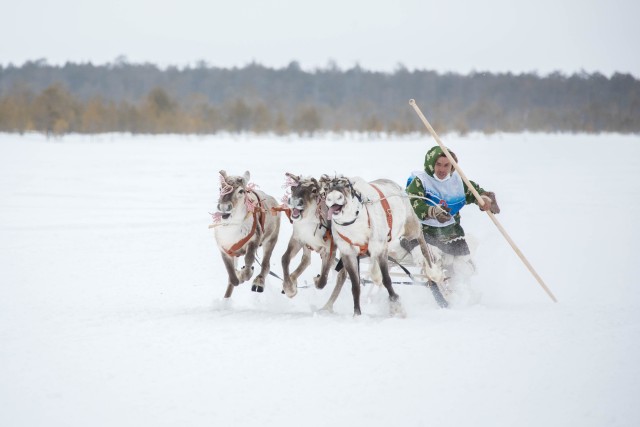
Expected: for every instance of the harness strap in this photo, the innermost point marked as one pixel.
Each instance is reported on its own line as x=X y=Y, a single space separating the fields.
x=329 y=236
x=232 y=251
x=387 y=210
x=258 y=219
x=364 y=248
x=282 y=208
x=262 y=218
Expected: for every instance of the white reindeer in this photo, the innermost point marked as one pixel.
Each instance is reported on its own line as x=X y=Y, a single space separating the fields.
x=244 y=222
x=365 y=219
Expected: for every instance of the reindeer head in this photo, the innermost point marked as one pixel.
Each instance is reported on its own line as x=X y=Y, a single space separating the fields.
x=233 y=195
x=340 y=197
x=305 y=196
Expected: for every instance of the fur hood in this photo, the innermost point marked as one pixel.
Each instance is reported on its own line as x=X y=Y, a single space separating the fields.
x=432 y=157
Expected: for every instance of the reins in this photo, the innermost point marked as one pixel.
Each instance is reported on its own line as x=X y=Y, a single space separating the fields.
x=258 y=219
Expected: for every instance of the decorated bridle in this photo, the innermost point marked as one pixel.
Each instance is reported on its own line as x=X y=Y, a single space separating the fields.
x=292 y=181
x=339 y=183
x=253 y=207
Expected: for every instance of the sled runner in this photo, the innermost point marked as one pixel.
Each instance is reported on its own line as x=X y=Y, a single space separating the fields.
x=404 y=272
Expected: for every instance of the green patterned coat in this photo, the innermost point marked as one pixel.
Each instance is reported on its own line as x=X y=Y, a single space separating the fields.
x=441 y=234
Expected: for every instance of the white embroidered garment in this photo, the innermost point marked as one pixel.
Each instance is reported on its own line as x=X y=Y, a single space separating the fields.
x=448 y=192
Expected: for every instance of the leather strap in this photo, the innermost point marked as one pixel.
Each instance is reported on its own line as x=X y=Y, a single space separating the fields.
x=282 y=208
x=238 y=245
x=387 y=211
x=364 y=248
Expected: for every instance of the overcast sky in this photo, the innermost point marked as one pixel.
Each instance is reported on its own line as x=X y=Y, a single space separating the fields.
x=443 y=35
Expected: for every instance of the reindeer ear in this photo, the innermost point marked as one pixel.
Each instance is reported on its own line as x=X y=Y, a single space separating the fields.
x=246 y=177
x=223 y=173
x=296 y=178
x=315 y=181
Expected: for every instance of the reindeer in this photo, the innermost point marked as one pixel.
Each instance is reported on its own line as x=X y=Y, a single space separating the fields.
x=242 y=224
x=311 y=231
x=369 y=218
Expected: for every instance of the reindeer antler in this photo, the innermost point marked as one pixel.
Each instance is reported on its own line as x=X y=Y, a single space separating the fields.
x=291 y=181
x=251 y=204
x=225 y=187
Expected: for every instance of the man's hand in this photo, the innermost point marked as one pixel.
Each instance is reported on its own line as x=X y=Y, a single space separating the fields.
x=490 y=202
x=441 y=213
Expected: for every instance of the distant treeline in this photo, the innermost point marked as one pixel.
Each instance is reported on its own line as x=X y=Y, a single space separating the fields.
x=143 y=98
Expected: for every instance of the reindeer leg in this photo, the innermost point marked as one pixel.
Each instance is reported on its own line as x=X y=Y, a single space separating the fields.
x=386 y=278
x=304 y=263
x=432 y=268
x=321 y=280
x=267 y=249
x=229 y=263
x=342 y=277
x=246 y=272
x=395 y=306
x=351 y=265
x=374 y=272
x=290 y=285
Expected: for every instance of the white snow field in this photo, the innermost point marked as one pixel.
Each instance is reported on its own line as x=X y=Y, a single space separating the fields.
x=111 y=286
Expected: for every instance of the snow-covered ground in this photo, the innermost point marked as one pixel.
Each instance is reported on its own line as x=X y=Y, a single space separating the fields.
x=111 y=285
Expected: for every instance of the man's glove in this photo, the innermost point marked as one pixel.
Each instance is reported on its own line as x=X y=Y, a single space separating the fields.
x=441 y=213
x=489 y=198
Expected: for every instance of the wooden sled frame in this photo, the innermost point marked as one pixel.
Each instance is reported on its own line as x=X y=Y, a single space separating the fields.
x=401 y=274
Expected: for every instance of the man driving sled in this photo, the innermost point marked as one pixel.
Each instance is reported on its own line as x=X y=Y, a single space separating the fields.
x=446 y=193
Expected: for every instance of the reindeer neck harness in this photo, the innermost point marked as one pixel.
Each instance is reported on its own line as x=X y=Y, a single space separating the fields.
x=364 y=248
x=354 y=195
x=258 y=219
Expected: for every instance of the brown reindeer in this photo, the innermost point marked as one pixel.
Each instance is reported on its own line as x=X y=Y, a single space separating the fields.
x=311 y=232
x=366 y=220
x=244 y=222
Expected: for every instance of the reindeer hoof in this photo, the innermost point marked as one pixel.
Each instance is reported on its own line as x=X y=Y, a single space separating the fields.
x=244 y=274
x=396 y=309
x=326 y=309
x=257 y=288
x=320 y=284
x=290 y=289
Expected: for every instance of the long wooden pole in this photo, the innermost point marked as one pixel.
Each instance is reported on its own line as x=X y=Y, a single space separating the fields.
x=480 y=200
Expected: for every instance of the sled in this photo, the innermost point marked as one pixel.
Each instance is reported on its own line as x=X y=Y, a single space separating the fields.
x=403 y=272
x=406 y=273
